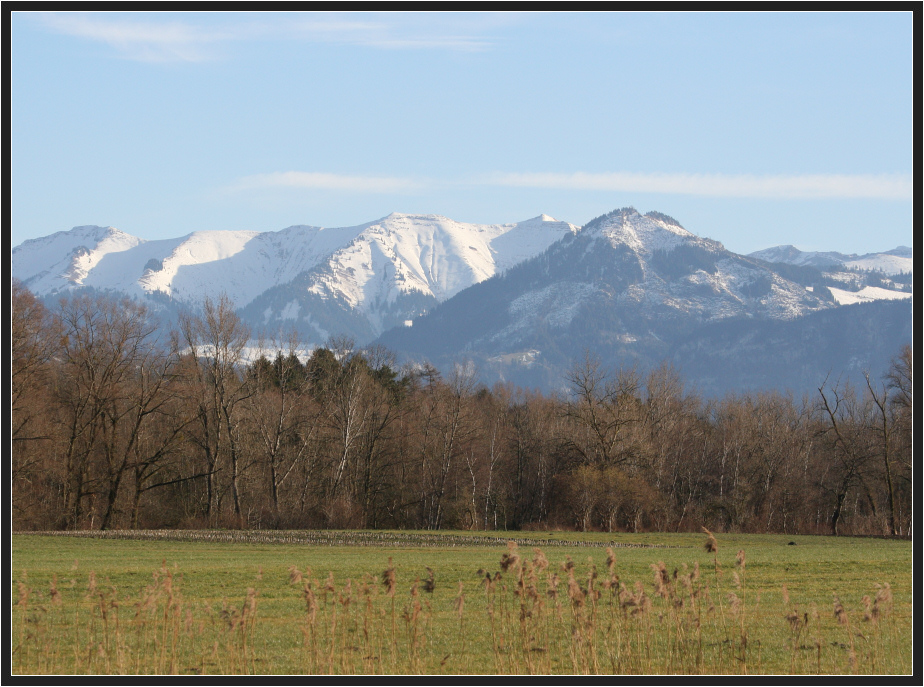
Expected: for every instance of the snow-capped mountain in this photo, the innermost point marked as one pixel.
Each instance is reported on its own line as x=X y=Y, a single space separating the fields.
x=370 y=276
x=629 y=287
x=239 y=263
x=852 y=278
x=893 y=262
x=522 y=300
x=622 y=266
x=396 y=269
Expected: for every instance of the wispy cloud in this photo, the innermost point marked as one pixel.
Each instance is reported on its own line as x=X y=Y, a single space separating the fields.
x=327 y=182
x=151 y=40
x=884 y=186
x=396 y=34
x=145 y=41
x=806 y=186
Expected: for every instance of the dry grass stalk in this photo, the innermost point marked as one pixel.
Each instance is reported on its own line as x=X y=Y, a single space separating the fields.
x=661 y=580
x=24 y=593
x=734 y=603
x=53 y=591
x=868 y=614
x=882 y=604
x=575 y=592
x=459 y=605
x=295 y=575
x=610 y=560
x=844 y=619
x=839 y=612
x=429 y=584
x=389 y=579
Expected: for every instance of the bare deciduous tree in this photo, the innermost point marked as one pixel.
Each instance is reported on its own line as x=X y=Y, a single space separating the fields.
x=603 y=408
x=215 y=342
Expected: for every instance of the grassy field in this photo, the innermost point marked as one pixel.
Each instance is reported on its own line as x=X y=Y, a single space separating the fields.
x=447 y=603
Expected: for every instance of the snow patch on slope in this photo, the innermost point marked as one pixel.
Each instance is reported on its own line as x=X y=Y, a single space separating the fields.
x=556 y=304
x=865 y=295
x=883 y=262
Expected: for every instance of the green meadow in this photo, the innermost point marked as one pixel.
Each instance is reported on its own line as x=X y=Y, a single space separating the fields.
x=451 y=603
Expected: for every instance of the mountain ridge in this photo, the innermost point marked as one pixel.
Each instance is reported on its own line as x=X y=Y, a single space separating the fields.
x=365 y=267
x=520 y=298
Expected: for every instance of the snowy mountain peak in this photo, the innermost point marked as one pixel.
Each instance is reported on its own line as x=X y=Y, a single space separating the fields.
x=430 y=255
x=86 y=235
x=644 y=234
x=66 y=258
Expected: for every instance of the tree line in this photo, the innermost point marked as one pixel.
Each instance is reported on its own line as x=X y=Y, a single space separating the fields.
x=118 y=424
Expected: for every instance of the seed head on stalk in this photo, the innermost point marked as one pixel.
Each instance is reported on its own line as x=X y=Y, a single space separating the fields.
x=295 y=575
x=250 y=602
x=711 y=545
x=429 y=584
x=552 y=591
x=540 y=562
x=734 y=603
x=839 y=612
x=868 y=614
x=882 y=604
x=510 y=557
x=661 y=582
x=389 y=579
x=575 y=592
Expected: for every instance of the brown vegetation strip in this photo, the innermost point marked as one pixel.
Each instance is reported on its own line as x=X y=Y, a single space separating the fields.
x=334 y=538
x=117 y=427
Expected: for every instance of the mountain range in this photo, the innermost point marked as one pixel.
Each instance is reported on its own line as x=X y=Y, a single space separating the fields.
x=895 y=261
x=522 y=301
x=355 y=281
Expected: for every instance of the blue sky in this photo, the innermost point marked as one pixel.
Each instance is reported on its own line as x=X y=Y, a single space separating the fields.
x=750 y=128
